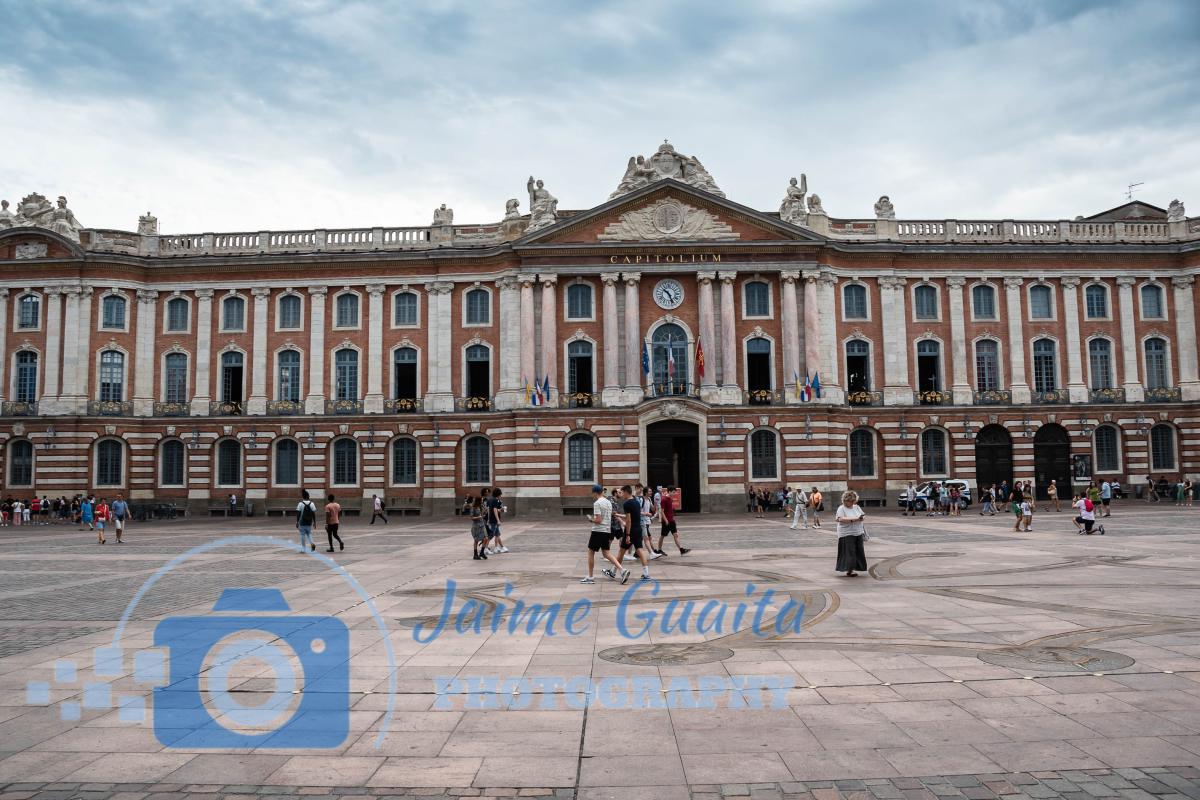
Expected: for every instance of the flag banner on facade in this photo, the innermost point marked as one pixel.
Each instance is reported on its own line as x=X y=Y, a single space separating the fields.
x=699 y=359
x=528 y=393
x=546 y=388
x=645 y=359
x=670 y=363
x=799 y=386
x=816 y=384
x=806 y=390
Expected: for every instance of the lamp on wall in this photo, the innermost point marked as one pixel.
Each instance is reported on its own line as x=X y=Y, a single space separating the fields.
x=903 y=428
x=624 y=438
x=537 y=436
x=48 y=442
x=311 y=441
x=437 y=434
x=968 y=428
x=370 y=437
x=723 y=435
x=807 y=427
x=252 y=441
x=1086 y=427
x=194 y=444
x=1142 y=424
x=1027 y=425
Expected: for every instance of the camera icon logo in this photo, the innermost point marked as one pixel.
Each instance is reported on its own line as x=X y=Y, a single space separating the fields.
x=260 y=676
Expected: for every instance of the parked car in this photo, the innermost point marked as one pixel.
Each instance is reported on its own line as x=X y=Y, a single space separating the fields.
x=926 y=489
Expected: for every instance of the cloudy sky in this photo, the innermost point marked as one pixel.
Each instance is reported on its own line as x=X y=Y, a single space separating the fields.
x=259 y=115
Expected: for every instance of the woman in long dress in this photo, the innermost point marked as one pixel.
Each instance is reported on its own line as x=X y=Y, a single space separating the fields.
x=851 y=534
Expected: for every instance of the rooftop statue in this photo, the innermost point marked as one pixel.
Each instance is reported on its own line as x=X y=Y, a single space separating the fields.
x=512 y=209
x=443 y=215
x=6 y=216
x=814 y=204
x=35 y=211
x=884 y=208
x=1175 y=212
x=792 y=208
x=665 y=163
x=543 y=206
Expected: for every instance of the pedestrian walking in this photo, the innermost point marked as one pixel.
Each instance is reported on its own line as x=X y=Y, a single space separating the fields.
x=815 y=500
x=100 y=513
x=760 y=503
x=666 y=515
x=648 y=513
x=851 y=555
x=600 y=537
x=1151 y=493
x=910 y=501
x=86 y=512
x=495 y=509
x=306 y=517
x=1106 y=494
x=1179 y=492
x=988 y=498
x=1052 y=495
x=751 y=499
x=1016 y=497
x=377 y=510
x=474 y=508
x=1189 y=492
x=1026 y=514
x=800 y=507
x=120 y=512
x=632 y=540
x=333 y=519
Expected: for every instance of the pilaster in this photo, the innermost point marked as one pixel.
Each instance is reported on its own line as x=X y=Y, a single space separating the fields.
x=1135 y=392
x=731 y=392
x=1018 y=382
x=4 y=343
x=528 y=347
x=634 y=388
x=48 y=402
x=145 y=362
x=832 y=392
x=550 y=335
x=790 y=328
x=440 y=396
x=257 y=402
x=961 y=387
x=612 y=335
x=83 y=350
x=812 y=323
x=512 y=392
x=1076 y=390
x=1185 y=336
x=897 y=390
x=376 y=363
x=709 y=391
x=70 y=398
x=314 y=401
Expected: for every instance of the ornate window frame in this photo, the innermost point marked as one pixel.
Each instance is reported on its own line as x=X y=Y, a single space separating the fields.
x=846 y=284
x=757 y=278
x=567 y=305
x=937 y=302
x=223 y=326
x=392 y=323
x=166 y=313
x=277 y=316
x=103 y=297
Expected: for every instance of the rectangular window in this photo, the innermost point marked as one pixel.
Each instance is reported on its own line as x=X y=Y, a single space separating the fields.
x=28 y=312
x=406 y=309
x=404 y=462
x=987 y=366
x=177 y=314
x=1039 y=303
x=580 y=459
x=983 y=299
x=114 y=312
x=176 y=379
x=289 y=312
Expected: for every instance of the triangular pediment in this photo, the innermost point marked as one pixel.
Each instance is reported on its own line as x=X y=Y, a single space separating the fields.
x=668 y=212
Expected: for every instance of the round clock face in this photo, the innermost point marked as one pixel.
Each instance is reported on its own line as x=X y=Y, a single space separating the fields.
x=668 y=293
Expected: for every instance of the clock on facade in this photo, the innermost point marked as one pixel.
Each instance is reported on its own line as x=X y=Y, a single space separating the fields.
x=668 y=293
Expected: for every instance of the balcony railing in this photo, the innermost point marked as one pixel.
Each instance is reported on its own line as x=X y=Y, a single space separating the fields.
x=674 y=389
x=932 y=397
x=1107 y=395
x=865 y=398
x=19 y=408
x=1164 y=395
x=343 y=406
x=579 y=400
x=402 y=405
x=285 y=408
x=761 y=397
x=1051 y=396
x=110 y=408
x=993 y=397
x=172 y=409
x=225 y=408
x=473 y=404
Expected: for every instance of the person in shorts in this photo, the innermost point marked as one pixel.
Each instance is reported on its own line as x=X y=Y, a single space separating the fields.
x=600 y=538
x=1106 y=494
x=814 y=504
x=101 y=515
x=632 y=540
x=120 y=512
x=494 y=509
x=666 y=513
x=333 y=519
x=1027 y=515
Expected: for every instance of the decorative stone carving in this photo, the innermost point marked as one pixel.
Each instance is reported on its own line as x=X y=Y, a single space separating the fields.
x=6 y=216
x=148 y=225
x=32 y=250
x=884 y=208
x=1175 y=212
x=667 y=220
x=443 y=215
x=35 y=211
x=672 y=409
x=1183 y=281
x=791 y=209
x=814 y=205
x=665 y=163
x=512 y=209
x=543 y=206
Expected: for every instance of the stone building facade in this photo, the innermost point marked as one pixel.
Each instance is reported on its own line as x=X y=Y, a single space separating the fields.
x=672 y=335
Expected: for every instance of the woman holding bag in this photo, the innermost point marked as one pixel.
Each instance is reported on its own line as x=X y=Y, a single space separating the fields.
x=851 y=535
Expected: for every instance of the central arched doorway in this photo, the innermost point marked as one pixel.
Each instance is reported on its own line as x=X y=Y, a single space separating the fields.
x=1052 y=460
x=673 y=459
x=993 y=457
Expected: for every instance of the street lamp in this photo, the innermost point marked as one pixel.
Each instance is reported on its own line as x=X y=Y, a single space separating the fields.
x=723 y=435
x=968 y=430
x=808 y=434
x=437 y=434
x=1086 y=427
x=311 y=441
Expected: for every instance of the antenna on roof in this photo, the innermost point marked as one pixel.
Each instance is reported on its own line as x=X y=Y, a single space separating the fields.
x=1130 y=188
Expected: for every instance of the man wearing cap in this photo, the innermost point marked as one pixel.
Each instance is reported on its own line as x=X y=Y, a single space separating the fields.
x=601 y=537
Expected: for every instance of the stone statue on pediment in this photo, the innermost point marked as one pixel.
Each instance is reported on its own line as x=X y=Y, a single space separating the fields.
x=512 y=209
x=637 y=174
x=791 y=209
x=666 y=163
x=148 y=224
x=6 y=216
x=884 y=208
x=63 y=222
x=1175 y=212
x=35 y=211
x=543 y=206
x=814 y=204
x=443 y=215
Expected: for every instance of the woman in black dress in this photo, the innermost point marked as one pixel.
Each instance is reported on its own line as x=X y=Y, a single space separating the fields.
x=851 y=535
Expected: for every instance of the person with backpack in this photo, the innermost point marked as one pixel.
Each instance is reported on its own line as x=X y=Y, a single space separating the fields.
x=1087 y=515
x=120 y=512
x=306 y=516
x=333 y=519
x=377 y=510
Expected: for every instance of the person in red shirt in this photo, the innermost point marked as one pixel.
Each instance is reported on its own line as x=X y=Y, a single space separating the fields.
x=101 y=515
x=666 y=504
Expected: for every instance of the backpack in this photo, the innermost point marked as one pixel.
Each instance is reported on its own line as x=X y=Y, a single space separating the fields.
x=308 y=512
x=1087 y=504
x=616 y=527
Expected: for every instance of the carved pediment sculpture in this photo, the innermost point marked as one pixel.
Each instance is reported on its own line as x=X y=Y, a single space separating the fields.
x=543 y=206
x=791 y=209
x=667 y=220
x=665 y=163
x=35 y=211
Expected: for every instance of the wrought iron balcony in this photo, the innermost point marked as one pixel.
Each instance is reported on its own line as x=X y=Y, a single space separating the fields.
x=932 y=397
x=865 y=398
x=402 y=405
x=1107 y=395
x=343 y=406
x=761 y=397
x=110 y=408
x=1164 y=395
x=1051 y=396
x=473 y=404
x=579 y=400
x=285 y=408
x=172 y=409
x=222 y=408
x=993 y=397
x=19 y=408
x=674 y=389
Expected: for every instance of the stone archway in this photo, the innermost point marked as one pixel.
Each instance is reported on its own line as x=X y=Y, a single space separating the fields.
x=993 y=457
x=1052 y=459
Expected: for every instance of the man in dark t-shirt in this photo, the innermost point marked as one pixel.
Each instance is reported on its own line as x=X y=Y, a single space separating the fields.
x=632 y=540
x=667 y=504
x=493 y=512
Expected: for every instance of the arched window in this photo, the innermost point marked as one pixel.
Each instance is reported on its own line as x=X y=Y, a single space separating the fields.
x=1100 y=361
x=758 y=299
x=345 y=462
x=987 y=365
x=479 y=371
x=479 y=307
x=229 y=463
x=925 y=302
x=1157 y=374
x=175 y=378
x=929 y=366
x=287 y=462
x=579 y=368
x=345 y=374
x=1045 y=365
x=110 y=463
x=1152 y=301
x=346 y=310
x=763 y=455
x=288 y=382
x=112 y=376
x=862 y=453
x=854 y=301
x=112 y=312
x=170 y=463
x=404 y=369
x=29 y=311
x=289 y=312
x=232 y=367
x=983 y=301
x=1108 y=457
x=1162 y=448
x=233 y=314
x=20 y=463
x=933 y=451
x=26 y=380
x=177 y=314
x=581 y=458
x=1040 y=302
x=858 y=366
x=579 y=301
x=478 y=452
x=404 y=462
x=1096 y=301
x=404 y=309
x=669 y=350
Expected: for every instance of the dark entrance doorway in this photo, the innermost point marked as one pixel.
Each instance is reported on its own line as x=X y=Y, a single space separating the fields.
x=993 y=457
x=673 y=459
x=1052 y=460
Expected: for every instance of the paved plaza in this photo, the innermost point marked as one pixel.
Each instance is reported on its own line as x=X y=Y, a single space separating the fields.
x=971 y=661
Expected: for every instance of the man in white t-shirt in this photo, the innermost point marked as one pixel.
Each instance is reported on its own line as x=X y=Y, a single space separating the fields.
x=600 y=538
x=799 y=507
x=377 y=509
x=1087 y=516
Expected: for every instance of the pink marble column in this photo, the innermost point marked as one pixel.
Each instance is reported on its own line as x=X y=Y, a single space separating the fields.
x=633 y=331
x=612 y=332
x=550 y=334
x=812 y=326
x=527 y=328
x=729 y=338
x=791 y=332
x=708 y=329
